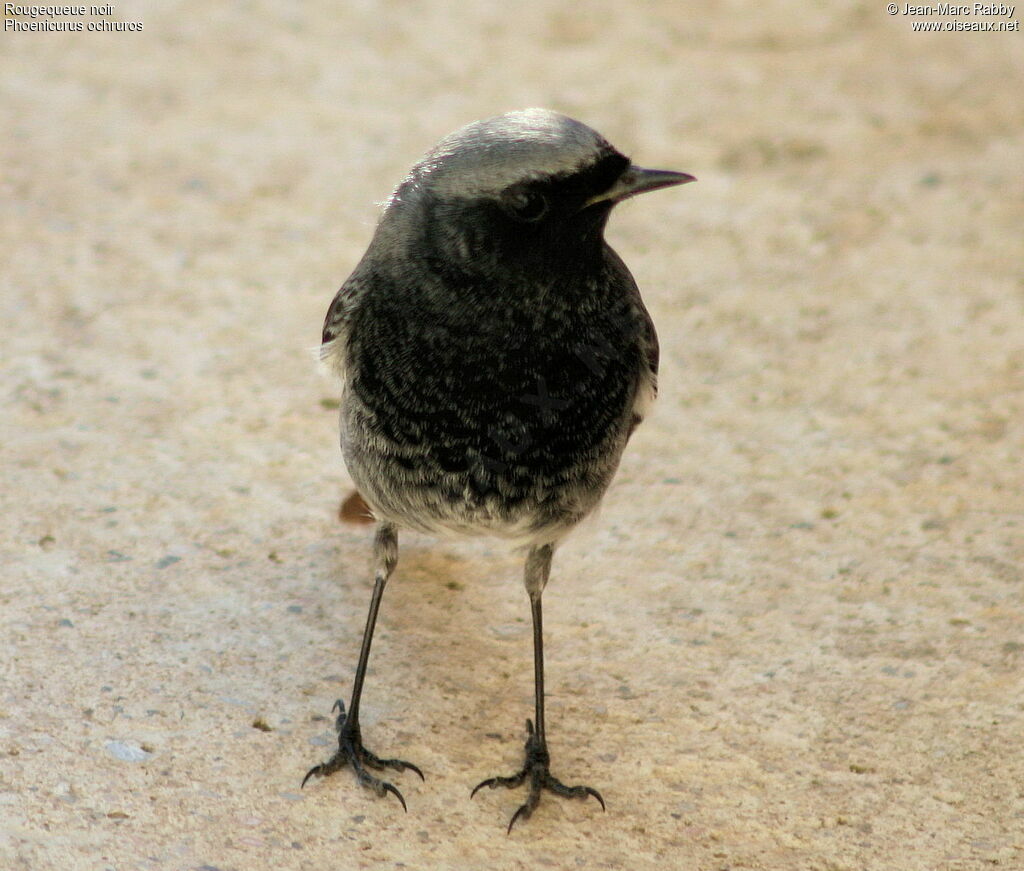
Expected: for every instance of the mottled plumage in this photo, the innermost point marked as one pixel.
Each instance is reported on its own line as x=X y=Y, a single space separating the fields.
x=494 y=351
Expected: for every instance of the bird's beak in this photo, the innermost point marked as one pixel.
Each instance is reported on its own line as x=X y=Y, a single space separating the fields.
x=637 y=180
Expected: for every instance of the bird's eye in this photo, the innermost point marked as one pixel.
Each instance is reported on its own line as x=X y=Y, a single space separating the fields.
x=524 y=204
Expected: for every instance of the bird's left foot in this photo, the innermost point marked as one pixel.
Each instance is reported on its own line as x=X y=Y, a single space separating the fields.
x=537 y=769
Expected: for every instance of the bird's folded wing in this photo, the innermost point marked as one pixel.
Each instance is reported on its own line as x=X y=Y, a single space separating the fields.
x=336 y=323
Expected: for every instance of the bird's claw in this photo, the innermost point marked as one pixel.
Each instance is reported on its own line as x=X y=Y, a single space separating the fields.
x=352 y=752
x=537 y=769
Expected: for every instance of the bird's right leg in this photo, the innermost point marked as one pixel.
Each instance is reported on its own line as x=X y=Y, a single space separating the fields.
x=350 y=743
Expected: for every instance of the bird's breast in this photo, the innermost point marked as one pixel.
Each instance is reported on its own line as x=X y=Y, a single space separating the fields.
x=453 y=421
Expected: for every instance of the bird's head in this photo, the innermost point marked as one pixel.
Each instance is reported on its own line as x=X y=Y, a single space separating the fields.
x=515 y=191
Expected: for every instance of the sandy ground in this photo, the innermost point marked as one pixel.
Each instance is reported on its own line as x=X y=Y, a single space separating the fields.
x=793 y=637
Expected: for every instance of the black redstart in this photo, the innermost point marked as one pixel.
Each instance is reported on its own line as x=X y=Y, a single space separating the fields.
x=496 y=357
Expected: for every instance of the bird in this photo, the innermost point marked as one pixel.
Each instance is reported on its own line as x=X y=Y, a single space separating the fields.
x=495 y=357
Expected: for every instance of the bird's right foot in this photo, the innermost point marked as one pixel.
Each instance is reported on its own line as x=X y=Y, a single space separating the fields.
x=352 y=752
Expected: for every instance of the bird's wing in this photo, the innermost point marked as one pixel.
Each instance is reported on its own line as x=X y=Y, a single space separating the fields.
x=647 y=386
x=333 y=349
x=647 y=376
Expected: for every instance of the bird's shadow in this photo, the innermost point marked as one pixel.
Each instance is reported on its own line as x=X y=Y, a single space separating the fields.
x=454 y=625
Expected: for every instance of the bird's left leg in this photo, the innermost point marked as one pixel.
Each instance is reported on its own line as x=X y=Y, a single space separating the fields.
x=537 y=766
